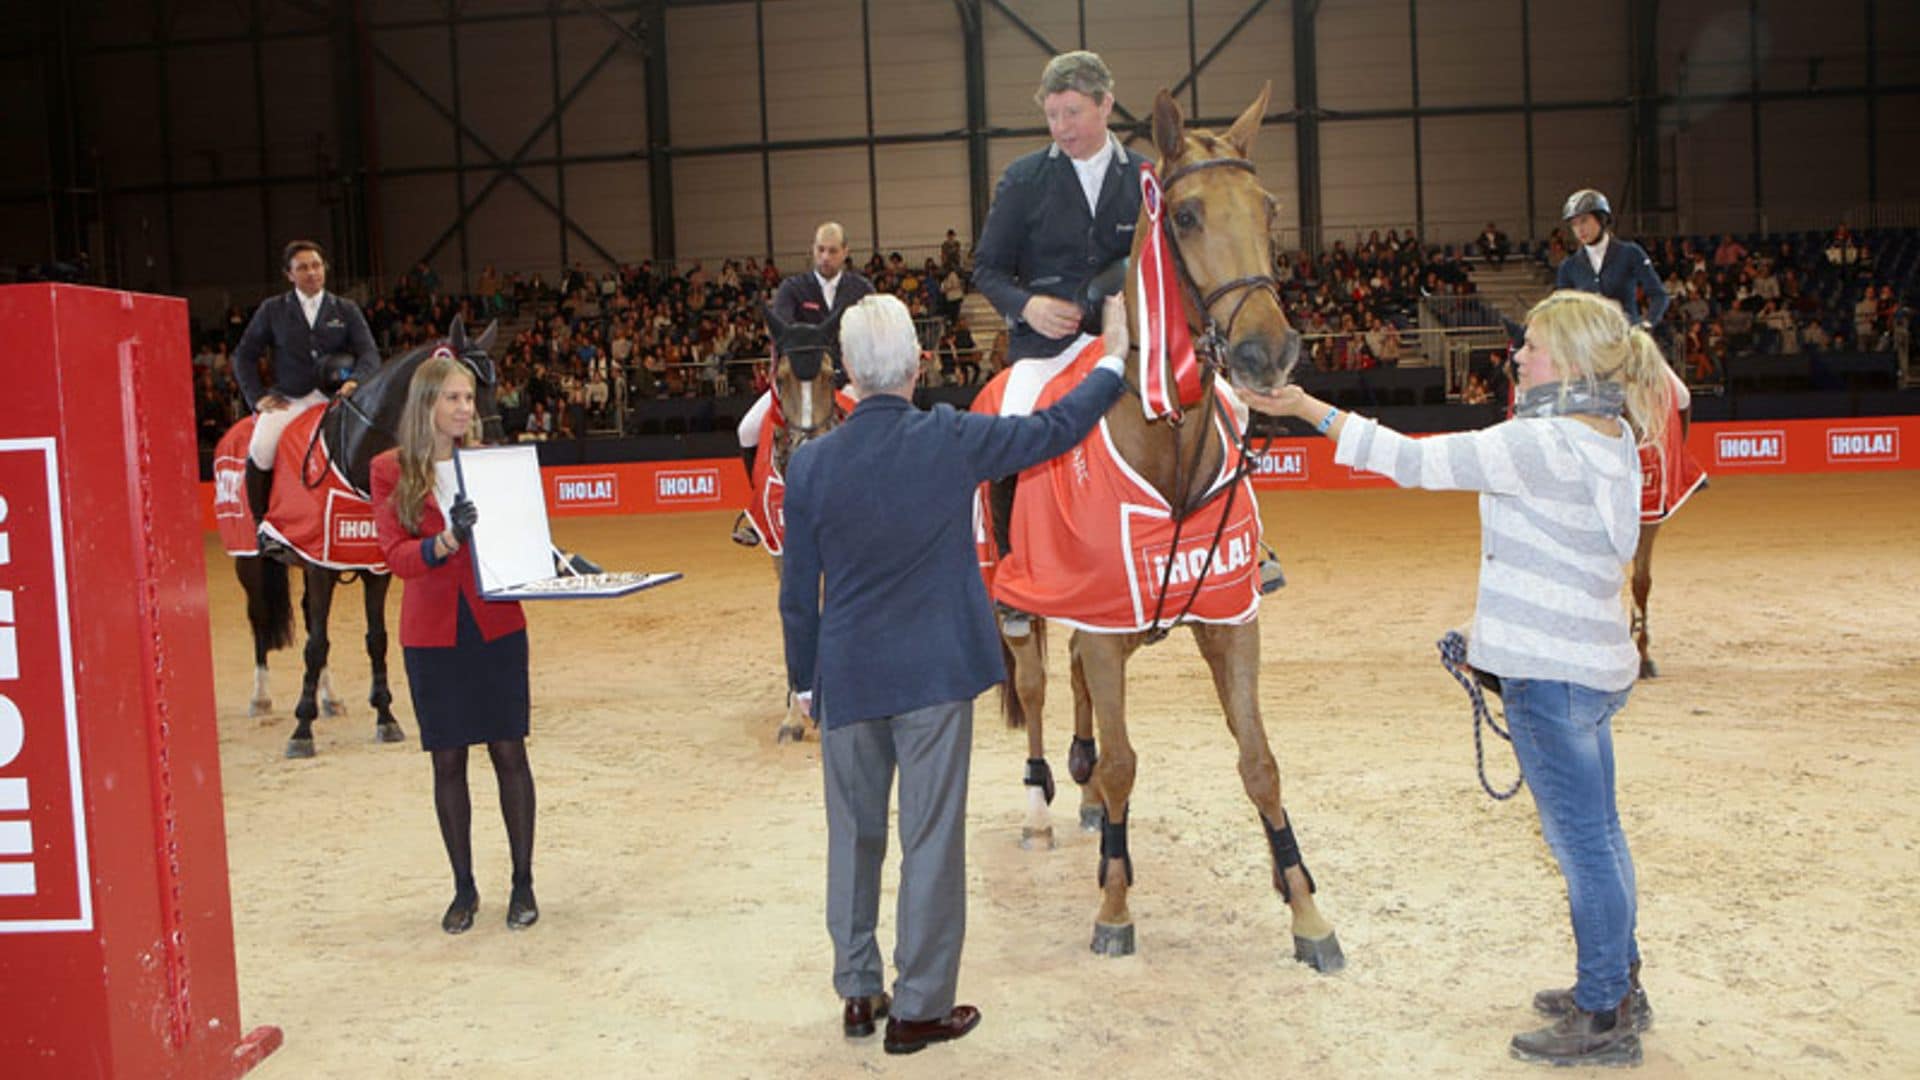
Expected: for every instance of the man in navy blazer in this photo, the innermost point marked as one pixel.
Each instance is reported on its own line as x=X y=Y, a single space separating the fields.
x=828 y=288
x=1060 y=215
x=890 y=636
x=1605 y=264
x=305 y=327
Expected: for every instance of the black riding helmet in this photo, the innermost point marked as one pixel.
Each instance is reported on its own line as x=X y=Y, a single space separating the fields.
x=1588 y=201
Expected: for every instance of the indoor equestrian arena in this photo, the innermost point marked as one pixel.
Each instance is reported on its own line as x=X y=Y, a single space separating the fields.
x=1766 y=776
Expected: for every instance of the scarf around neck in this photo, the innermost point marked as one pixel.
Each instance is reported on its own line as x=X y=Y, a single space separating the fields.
x=1582 y=398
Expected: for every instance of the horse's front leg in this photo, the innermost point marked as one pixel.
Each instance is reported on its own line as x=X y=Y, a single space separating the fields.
x=793 y=728
x=374 y=593
x=1233 y=655
x=1083 y=753
x=318 y=605
x=1642 y=587
x=1104 y=659
x=1024 y=701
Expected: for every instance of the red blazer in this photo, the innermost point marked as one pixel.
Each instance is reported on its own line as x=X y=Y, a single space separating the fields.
x=429 y=612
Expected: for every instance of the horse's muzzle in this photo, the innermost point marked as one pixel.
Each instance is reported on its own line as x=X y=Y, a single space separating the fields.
x=1264 y=362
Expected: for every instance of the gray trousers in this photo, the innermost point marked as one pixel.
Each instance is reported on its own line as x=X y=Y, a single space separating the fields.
x=932 y=748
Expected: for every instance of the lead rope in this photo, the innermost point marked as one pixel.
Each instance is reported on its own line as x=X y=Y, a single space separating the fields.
x=1453 y=657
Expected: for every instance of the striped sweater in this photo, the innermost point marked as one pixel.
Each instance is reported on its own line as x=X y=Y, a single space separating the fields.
x=1559 y=519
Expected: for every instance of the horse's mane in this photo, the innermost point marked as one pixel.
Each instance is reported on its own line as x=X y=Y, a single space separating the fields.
x=366 y=423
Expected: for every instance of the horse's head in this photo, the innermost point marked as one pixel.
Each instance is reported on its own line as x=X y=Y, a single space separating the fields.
x=1219 y=222
x=477 y=354
x=804 y=359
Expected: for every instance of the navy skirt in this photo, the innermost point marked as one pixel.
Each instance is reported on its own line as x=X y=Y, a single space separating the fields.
x=472 y=692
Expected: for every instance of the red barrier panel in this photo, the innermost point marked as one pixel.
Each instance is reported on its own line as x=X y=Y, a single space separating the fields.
x=1755 y=446
x=116 y=933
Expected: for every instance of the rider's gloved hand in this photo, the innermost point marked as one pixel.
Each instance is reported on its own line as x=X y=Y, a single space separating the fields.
x=462 y=518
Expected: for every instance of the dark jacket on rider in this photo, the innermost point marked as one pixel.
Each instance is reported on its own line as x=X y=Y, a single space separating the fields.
x=1040 y=238
x=801 y=299
x=300 y=351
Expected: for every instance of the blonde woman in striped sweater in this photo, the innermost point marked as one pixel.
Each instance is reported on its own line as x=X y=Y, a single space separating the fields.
x=1559 y=518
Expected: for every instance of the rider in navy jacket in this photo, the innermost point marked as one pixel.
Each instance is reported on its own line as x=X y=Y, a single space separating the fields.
x=1623 y=264
x=1041 y=239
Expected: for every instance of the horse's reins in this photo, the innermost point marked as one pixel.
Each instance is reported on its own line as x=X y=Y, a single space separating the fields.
x=1208 y=347
x=1453 y=657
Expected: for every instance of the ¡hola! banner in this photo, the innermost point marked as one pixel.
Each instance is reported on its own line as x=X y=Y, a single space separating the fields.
x=1734 y=448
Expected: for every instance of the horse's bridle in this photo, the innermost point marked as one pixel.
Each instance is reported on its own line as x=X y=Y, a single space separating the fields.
x=1208 y=346
x=1214 y=335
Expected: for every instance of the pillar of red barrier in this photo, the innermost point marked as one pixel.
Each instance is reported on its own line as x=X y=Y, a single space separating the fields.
x=116 y=934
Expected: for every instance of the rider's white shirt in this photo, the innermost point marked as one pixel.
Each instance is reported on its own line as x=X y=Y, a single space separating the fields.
x=310 y=305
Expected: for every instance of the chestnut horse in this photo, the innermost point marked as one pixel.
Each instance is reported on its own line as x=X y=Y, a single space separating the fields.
x=1218 y=223
x=803 y=387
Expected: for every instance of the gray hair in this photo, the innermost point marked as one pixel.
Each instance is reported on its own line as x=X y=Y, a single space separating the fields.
x=839 y=234
x=1078 y=70
x=878 y=344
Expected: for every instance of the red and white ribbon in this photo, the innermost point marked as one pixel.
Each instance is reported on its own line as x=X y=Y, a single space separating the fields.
x=1161 y=330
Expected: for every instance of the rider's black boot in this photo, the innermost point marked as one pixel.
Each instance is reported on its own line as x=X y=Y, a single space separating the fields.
x=259 y=490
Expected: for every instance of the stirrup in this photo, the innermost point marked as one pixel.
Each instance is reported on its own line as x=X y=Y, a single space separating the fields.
x=1272 y=579
x=1014 y=623
x=744 y=533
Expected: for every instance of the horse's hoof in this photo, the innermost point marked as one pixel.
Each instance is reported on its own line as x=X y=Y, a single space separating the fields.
x=1032 y=839
x=300 y=748
x=259 y=707
x=1113 y=940
x=1090 y=819
x=1649 y=669
x=790 y=734
x=389 y=731
x=1323 y=956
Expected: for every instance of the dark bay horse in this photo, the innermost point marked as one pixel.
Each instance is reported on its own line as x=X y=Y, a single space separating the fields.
x=810 y=406
x=354 y=430
x=1217 y=222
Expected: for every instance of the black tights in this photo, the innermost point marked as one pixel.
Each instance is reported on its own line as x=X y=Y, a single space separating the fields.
x=455 y=809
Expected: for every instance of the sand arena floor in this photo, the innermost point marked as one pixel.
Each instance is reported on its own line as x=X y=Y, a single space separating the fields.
x=1768 y=784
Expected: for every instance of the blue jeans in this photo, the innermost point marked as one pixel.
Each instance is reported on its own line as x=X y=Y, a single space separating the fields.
x=1563 y=736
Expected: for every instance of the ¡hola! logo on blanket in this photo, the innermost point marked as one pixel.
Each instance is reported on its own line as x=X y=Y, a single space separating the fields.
x=1750 y=447
x=687 y=485
x=586 y=489
x=43 y=851
x=353 y=528
x=1863 y=444
x=1285 y=463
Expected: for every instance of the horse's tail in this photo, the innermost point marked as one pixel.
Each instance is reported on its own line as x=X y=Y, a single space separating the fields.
x=269 y=600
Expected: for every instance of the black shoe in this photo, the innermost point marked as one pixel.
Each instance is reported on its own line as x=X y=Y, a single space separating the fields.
x=1583 y=1038
x=522 y=912
x=459 y=916
x=913 y=1036
x=858 y=1014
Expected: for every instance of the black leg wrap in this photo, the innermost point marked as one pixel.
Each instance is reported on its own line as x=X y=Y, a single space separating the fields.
x=1286 y=852
x=1082 y=755
x=1040 y=775
x=1113 y=845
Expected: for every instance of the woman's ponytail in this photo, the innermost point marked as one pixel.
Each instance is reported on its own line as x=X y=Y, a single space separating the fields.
x=1649 y=391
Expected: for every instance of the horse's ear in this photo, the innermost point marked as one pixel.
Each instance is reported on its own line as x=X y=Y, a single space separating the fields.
x=1168 y=126
x=1241 y=134
x=485 y=341
x=778 y=324
x=457 y=335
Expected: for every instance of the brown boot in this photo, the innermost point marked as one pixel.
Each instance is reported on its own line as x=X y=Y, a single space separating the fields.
x=1584 y=1038
x=1557 y=1003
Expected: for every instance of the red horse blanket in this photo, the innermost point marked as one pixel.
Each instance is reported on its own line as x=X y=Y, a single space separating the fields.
x=766 y=506
x=1093 y=542
x=1669 y=475
x=314 y=510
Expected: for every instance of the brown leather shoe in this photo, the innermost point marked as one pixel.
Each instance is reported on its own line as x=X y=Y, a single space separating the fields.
x=858 y=1016
x=912 y=1036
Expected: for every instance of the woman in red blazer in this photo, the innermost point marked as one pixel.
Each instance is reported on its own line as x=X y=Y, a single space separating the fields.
x=466 y=657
